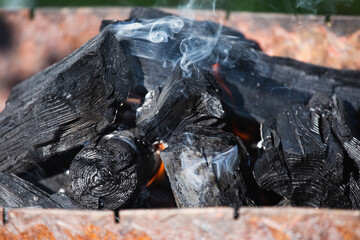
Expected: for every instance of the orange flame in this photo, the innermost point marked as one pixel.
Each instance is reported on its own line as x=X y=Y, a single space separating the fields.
x=158 y=147
x=157 y=175
x=216 y=71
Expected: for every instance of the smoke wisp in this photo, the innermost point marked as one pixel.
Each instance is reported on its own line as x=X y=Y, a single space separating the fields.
x=179 y=41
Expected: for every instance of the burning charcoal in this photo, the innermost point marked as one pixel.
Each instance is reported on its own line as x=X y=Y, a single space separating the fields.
x=311 y=156
x=307 y=79
x=106 y=174
x=181 y=101
x=187 y=42
x=64 y=106
x=260 y=86
x=203 y=166
x=16 y=192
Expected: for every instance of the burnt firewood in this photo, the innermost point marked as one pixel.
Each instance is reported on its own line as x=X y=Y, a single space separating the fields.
x=64 y=200
x=260 y=86
x=310 y=156
x=203 y=166
x=107 y=173
x=155 y=60
x=64 y=106
x=180 y=102
x=304 y=80
x=16 y=192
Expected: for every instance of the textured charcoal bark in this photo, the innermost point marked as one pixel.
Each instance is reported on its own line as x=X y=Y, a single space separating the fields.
x=16 y=192
x=203 y=166
x=64 y=106
x=107 y=173
x=311 y=157
x=261 y=86
x=180 y=102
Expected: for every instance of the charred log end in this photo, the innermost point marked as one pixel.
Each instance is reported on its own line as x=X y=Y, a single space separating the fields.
x=109 y=173
x=98 y=185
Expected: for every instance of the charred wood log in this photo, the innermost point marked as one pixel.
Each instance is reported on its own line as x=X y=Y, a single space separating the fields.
x=180 y=102
x=64 y=106
x=107 y=173
x=155 y=61
x=260 y=86
x=16 y=192
x=203 y=166
x=311 y=157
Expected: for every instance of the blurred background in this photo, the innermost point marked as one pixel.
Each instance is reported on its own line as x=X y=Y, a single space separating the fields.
x=323 y=7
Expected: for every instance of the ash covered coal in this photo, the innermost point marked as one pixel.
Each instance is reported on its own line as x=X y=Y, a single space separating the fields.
x=164 y=111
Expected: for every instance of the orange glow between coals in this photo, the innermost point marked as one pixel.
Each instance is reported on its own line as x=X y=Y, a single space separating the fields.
x=216 y=69
x=157 y=175
x=158 y=147
x=133 y=100
x=242 y=135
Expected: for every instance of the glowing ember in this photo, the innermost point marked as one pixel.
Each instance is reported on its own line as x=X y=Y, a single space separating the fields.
x=216 y=71
x=247 y=134
x=134 y=100
x=160 y=172
x=242 y=135
x=158 y=147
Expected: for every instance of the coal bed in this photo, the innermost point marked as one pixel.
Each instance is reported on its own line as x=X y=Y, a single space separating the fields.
x=163 y=111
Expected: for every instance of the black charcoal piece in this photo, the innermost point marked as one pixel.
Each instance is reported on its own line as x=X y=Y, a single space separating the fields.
x=261 y=86
x=310 y=156
x=107 y=173
x=64 y=106
x=16 y=192
x=181 y=101
x=203 y=166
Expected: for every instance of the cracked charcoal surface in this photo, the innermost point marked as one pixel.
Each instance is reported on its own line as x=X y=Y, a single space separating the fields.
x=310 y=156
x=64 y=106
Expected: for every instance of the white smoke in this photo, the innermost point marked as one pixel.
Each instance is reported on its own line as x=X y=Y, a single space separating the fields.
x=226 y=162
x=186 y=43
x=196 y=48
x=156 y=31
